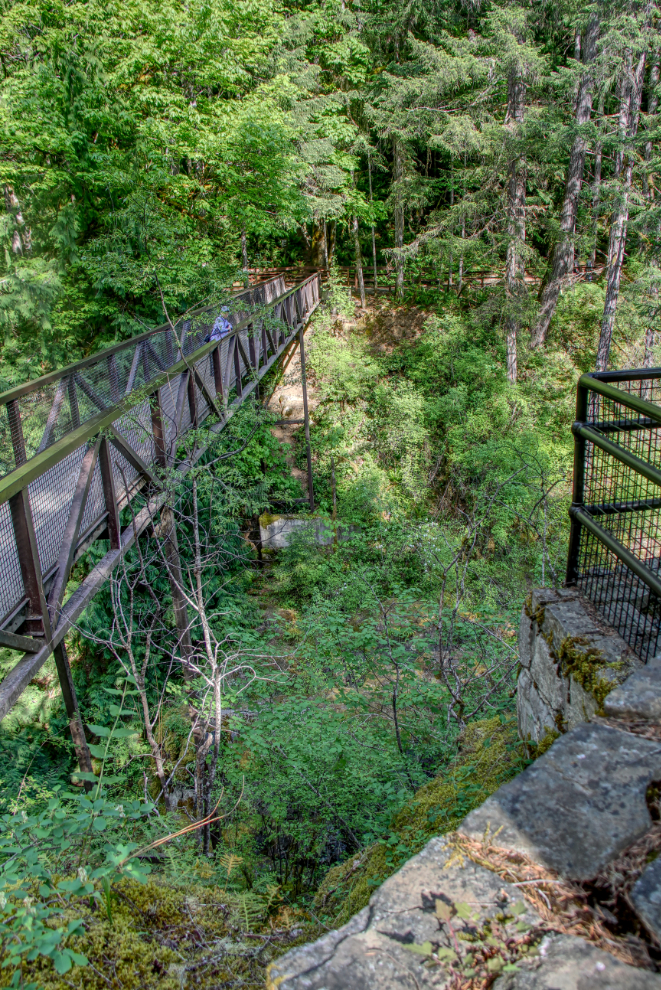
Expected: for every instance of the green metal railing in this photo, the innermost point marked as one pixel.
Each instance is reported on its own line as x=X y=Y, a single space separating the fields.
x=615 y=538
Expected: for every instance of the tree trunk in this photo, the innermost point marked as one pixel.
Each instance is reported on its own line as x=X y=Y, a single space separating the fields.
x=562 y=261
x=648 y=360
x=325 y=243
x=333 y=237
x=596 y=189
x=168 y=533
x=244 y=249
x=653 y=102
x=516 y=218
x=359 y=262
x=398 y=175
x=22 y=237
x=318 y=243
x=631 y=92
x=461 y=256
x=451 y=205
x=369 y=172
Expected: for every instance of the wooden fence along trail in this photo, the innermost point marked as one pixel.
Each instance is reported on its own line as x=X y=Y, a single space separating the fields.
x=77 y=445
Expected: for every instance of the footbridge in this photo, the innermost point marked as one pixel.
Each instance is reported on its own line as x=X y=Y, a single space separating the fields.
x=78 y=445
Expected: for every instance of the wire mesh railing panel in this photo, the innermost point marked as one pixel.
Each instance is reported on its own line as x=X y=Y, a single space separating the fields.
x=11 y=579
x=615 y=541
x=135 y=427
x=95 y=506
x=124 y=475
x=612 y=484
x=168 y=400
x=623 y=599
x=51 y=495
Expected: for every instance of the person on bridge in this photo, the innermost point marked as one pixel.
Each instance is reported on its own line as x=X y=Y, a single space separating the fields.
x=221 y=327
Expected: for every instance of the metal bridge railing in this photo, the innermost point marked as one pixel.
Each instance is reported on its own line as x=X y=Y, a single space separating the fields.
x=615 y=539
x=39 y=413
x=78 y=444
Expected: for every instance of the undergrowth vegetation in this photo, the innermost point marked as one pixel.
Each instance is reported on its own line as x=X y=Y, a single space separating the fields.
x=355 y=695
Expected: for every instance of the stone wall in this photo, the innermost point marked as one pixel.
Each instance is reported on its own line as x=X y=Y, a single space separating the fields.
x=554 y=883
x=570 y=661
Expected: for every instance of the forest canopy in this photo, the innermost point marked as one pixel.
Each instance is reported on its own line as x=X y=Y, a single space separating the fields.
x=150 y=151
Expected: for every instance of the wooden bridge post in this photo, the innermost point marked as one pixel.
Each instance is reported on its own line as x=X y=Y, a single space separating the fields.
x=109 y=495
x=218 y=375
x=306 y=417
x=192 y=401
x=237 y=366
x=38 y=619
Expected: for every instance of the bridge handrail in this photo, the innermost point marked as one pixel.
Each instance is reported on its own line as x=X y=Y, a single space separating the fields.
x=34 y=384
x=41 y=411
x=32 y=467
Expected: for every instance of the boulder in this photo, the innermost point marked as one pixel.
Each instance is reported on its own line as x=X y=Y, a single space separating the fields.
x=565 y=962
x=579 y=805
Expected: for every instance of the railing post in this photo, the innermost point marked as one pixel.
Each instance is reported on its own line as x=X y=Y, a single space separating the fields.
x=237 y=366
x=307 y=418
x=192 y=400
x=252 y=350
x=37 y=620
x=160 y=452
x=578 y=487
x=217 y=373
x=109 y=496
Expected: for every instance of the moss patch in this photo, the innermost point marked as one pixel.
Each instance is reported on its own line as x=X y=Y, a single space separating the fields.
x=161 y=935
x=545 y=743
x=539 y=613
x=490 y=755
x=585 y=666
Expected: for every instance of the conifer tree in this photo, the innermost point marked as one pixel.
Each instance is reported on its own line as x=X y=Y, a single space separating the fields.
x=630 y=94
x=562 y=260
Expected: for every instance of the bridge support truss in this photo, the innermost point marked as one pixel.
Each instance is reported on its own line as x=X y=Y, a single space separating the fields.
x=77 y=446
